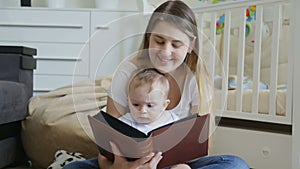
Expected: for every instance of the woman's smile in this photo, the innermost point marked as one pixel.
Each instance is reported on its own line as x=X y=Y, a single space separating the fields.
x=164 y=60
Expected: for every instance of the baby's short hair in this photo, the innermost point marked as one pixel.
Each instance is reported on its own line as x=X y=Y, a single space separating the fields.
x=149 y=76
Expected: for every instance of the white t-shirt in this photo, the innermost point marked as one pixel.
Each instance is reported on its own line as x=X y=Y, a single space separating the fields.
x=118 y=90
x=127 y=118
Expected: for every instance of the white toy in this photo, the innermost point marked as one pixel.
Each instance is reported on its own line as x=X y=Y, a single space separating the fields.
x=250 y=33
x=63 y=158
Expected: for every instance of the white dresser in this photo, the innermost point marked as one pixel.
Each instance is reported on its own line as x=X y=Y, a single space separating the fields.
x=261 y=150
x=72 y=44
x=114 y=37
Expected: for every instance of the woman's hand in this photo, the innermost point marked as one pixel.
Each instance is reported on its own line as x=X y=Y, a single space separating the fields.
x=148 y=162
x=152 y=164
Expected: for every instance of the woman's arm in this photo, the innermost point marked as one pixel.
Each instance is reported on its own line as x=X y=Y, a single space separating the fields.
x=194 y=109
x=114 y=109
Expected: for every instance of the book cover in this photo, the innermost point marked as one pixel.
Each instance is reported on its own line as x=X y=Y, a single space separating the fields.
x=180 y=141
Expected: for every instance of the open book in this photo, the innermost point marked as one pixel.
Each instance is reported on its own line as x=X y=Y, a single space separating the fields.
x=180 y=141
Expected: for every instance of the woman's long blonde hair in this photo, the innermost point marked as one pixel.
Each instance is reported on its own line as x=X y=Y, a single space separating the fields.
x=179 y=14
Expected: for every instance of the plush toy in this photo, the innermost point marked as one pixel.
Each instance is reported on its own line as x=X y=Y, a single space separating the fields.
x=251 y=13
x=63 y=158
x=250 y=33
x=249 y=27
x=215 y=2
x=220 y=24
x=250 y=16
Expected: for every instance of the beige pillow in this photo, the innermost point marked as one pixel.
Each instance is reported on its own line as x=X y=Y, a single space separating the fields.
x=57 y=120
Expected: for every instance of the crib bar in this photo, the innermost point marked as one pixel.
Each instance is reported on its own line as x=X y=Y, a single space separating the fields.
x=234 y=5
x=290 y=86
x=274 y=59
x=213 y=36
x=241 y=58
x=257 y=56
x=225 y=55
x=257 y=117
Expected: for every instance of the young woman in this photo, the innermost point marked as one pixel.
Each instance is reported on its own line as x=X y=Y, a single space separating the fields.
x=170 y=45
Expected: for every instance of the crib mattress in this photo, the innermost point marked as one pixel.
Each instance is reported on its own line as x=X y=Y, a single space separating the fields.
x=263 y=101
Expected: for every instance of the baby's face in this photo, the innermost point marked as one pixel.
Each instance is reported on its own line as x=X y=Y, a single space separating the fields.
x=146 y=107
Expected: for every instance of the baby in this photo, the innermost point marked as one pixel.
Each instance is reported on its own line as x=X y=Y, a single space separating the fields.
x=148 y=99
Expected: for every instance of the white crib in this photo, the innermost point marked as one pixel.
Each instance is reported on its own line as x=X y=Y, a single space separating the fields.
x=253 y=81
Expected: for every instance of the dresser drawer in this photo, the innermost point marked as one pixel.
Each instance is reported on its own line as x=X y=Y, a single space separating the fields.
x=62 y=59
x=119 y=34
x=261 y=150
x=102 y=19
x=45 y=83
x=44 y=25
x=59 y=58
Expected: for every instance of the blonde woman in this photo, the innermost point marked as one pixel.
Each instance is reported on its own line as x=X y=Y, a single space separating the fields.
x=170 y=45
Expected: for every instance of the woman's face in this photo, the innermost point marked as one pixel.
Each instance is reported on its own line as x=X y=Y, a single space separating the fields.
x=168 y=47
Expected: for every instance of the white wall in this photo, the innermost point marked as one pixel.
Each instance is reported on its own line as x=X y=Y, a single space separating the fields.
x=124 y=4
x=296 y=106
x=69 y=3
x=42 y=3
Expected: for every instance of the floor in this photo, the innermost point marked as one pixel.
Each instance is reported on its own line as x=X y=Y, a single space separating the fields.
x=24 y=165
x=21 y=167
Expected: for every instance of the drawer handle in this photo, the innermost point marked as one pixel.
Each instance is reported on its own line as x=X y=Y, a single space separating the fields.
x=102 y=27
x=42 y=90
x=70 y=26
x=59 y=58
